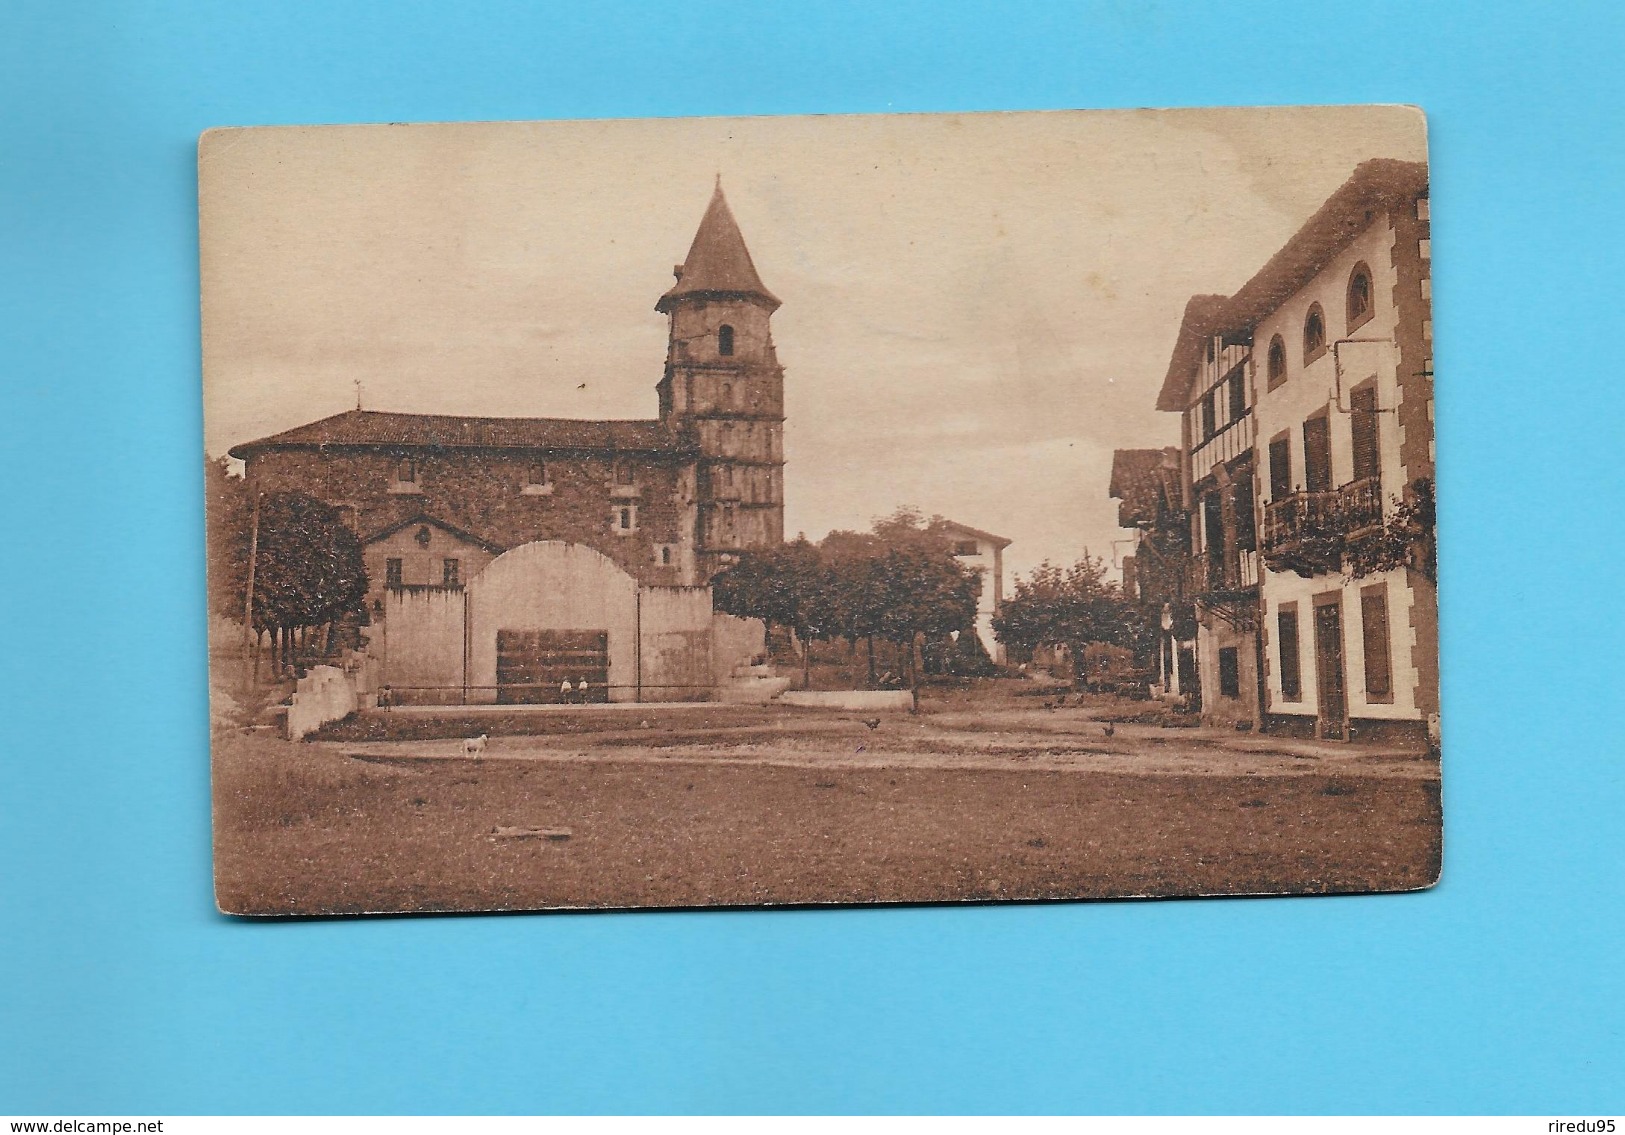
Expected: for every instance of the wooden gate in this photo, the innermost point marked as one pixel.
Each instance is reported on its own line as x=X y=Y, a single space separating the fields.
x=532 y=666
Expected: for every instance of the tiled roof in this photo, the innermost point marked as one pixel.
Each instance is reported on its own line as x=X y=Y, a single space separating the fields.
x=377 y=429
x=718 y=262
x=1375 y=185
x=967 y=530
x=1204 y=317
x=1142 y=479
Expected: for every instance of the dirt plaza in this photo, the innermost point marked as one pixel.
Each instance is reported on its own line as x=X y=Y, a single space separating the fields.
x=979 y=796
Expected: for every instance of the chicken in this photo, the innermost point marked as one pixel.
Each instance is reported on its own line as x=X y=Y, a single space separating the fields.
x=872 y=722
x=1109 y=729
x=474 y=746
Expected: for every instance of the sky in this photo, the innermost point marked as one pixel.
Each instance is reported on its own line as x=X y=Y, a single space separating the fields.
x=978 y=309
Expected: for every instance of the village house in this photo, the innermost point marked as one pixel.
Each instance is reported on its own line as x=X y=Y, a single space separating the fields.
x=1306 y=403
x=981 y=552
x=1342 y=320
x=1150 y=486
x=1209 y=384
x=506 y=555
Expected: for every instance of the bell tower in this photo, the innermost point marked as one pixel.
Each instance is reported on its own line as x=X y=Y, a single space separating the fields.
x=724 y=388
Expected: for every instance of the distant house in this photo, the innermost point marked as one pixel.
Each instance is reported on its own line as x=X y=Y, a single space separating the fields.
x=1209 y=384
x=1150 y=484
x=982 y=552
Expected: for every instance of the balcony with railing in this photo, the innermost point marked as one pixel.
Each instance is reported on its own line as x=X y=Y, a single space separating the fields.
x=1209 y=576
x=1307 y=532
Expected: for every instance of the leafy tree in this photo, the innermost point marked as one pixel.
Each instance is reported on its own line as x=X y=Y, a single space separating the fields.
x=1069 y=607
x=898 y=582
x=226 y=534
x=787 y=585
x=307 y=568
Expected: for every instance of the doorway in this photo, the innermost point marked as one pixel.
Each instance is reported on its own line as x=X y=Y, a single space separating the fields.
x=1330 y=681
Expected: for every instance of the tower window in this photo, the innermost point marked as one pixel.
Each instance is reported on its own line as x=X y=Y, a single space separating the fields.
x=624 y=474
x=536 y=474
x=665 y=556
x=406 y=471
x=625 y=518
x=1314 y=334
x=725 y=340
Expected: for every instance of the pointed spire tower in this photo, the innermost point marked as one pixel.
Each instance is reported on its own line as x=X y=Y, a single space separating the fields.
x=724 y=387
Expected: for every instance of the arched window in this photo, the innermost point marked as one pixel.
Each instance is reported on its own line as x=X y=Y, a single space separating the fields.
x=1277 y=362
x=1359 y=296
x=1314 y=334
x=725 y=340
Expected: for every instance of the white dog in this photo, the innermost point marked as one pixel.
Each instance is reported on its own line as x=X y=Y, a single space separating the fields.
x=474 y=747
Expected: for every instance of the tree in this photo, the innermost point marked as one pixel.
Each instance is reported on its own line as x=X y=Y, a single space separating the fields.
x=898 y=582
x=307 y=569
x=787 y=585
x=1070 y=607
x=227 y=511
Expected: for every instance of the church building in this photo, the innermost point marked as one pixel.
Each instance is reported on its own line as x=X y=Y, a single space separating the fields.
x=654 y=506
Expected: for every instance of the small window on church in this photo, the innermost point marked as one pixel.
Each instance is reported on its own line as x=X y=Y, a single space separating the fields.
x=626 y=518
x=665 y=556
x=406 y=471
x=392 y=572
x=537 y=474
x=451 y=573
x=725 y=340
x=624 y=474
x=727 y=394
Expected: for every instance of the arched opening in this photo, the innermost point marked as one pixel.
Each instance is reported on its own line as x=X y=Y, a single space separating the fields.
x=1314 y=334
x=1277 y=362
x=725 y=340
x=1359 y=296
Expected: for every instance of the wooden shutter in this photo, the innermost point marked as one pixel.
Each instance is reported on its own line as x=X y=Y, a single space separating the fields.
x=1379 y=678
x=1317 y=454
x=1363 y=422
x=1281 y=467
x=1246 y=527
x=1286 y=625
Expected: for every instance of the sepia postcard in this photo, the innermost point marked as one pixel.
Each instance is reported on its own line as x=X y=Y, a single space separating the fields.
x=870 y=509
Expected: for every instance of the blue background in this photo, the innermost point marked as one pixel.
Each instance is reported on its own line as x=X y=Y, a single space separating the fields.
x=122 y=991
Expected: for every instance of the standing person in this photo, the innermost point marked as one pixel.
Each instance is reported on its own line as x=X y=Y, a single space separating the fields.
x=581 y=685
x=564 y=691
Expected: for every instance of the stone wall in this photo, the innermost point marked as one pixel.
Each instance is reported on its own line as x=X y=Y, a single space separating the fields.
x=324 y=694
x=486 y=493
